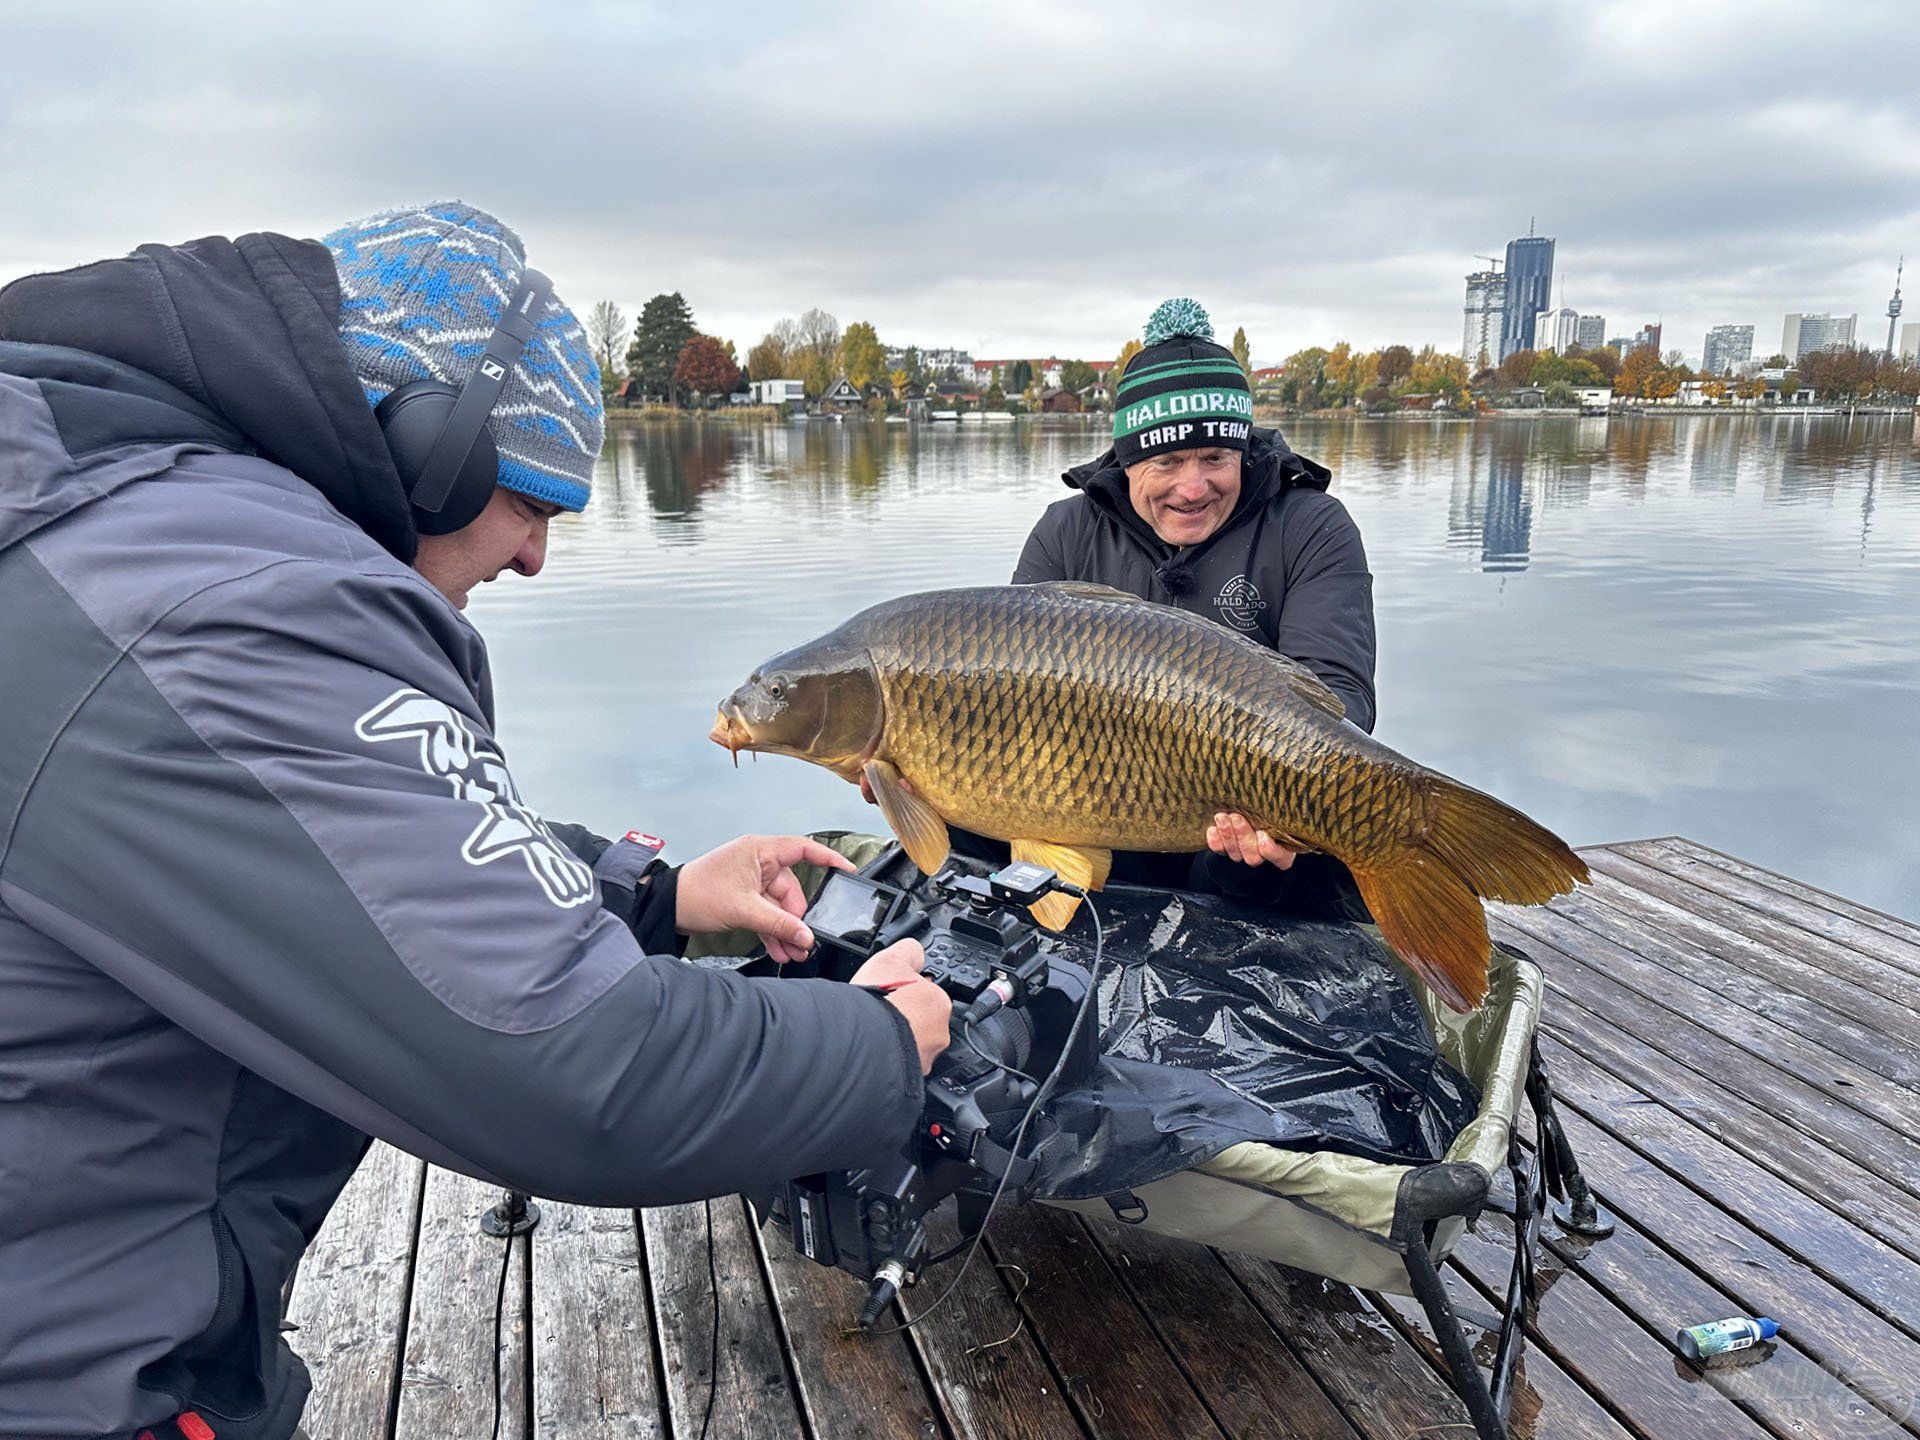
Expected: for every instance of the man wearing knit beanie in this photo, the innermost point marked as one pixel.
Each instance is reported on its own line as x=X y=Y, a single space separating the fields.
x=1194 y=506
x=263 y=864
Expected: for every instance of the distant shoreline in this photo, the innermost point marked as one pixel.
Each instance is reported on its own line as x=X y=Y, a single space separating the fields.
x=1266 y=415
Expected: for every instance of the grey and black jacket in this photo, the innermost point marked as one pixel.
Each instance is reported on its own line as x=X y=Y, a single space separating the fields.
x=1287 y=568
x=267 y=886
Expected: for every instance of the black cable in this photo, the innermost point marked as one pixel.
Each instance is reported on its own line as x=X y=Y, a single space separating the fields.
x=1040 y=1097
x=713 y=1358
x=499 y=1309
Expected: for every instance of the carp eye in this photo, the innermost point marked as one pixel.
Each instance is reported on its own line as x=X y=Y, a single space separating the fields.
x=777 y=687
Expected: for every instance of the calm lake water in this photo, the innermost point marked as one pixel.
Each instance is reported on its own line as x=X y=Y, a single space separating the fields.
x=1697 y=625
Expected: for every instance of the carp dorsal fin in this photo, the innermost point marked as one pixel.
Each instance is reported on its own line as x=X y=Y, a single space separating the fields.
x=923 y=834
x=1088 y=590
x=1077 y=864
x=1306 y=685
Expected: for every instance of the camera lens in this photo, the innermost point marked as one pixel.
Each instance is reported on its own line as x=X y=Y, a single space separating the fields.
x=1004 y=1037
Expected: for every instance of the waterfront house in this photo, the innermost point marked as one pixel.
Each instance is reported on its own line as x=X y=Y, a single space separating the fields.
x=786 y=394
x=1061 y=402
x=841 y=398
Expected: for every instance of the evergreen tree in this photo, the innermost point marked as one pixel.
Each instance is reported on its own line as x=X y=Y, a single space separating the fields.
x=661 y=333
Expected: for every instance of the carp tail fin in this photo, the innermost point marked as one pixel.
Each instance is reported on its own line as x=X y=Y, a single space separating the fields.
x=1433 y=922
x=1426 y=895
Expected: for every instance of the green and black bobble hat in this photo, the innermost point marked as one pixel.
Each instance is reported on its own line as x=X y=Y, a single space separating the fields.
x=1182 y=391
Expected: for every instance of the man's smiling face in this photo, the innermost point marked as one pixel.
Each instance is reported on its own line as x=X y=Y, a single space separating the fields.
x=1186 y=495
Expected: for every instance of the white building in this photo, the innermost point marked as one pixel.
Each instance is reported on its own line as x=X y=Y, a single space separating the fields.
x=1728 y=347
x=1910 y=342
x=1485 y=313
x=1804 y=333
x=1592 y=332
x=779 y=392
x=1556 y=330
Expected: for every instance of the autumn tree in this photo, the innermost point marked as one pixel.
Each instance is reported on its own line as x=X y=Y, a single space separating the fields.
x=1396 y=363
x=606 y=331
x=661 y=333
x=1076 y=375
x=705 y=367
x=1438 y=372
x=863 y=359
x=1127 y=352
x=1603 y=358
x=900 y=378
x=1304 y=383
x=1517 y=369
x=1751 y=388
x=1243 y=353
x=1636 y=367
x=814 y=350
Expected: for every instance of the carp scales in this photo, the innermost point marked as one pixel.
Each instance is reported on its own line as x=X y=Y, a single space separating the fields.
x=1072 y=720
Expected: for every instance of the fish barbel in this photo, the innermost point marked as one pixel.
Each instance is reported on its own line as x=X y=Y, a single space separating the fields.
x=1072 y=720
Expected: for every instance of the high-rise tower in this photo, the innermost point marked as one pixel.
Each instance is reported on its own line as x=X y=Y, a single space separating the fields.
x=1893 y=305
x=1529 y=290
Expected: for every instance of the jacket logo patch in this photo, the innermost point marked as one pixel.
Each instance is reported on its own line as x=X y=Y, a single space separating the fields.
x=477 y=771
x=1240 y=603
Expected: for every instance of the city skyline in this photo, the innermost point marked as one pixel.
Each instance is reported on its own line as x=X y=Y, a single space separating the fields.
x=919 y=172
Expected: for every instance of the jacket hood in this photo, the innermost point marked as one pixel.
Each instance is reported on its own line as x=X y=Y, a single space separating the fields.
x=1271 y=467
x=242 y=339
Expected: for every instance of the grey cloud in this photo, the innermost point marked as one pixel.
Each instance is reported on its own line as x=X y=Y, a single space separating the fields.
x=1015 y=178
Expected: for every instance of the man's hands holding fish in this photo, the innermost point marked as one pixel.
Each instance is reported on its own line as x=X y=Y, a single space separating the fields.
x=1231 y=834
x=749 y=884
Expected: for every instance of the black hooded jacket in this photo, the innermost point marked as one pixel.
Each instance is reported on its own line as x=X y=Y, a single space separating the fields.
x=1287 y=568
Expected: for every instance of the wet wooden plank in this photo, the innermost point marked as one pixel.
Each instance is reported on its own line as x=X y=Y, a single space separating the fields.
x=1900 y=928
x=986 y=1367
x=447 y=1387
x=1865 y=937
x=1824 y=1097
x=851 y=1385
x=1602 y=1347
x=1882 y=1209
x=1245 y=1373
x=754 y=1395
x=1860 y=1026
x=1774 y=1265
x=1118 y=1375
x=350 y=1297
x=1788 y=1389
x=593 y=1376
x=1547 y=1404
x=1889 y=982
x=1383 y=1385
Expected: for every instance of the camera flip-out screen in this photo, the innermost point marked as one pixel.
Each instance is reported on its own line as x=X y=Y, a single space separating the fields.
x=851 y=910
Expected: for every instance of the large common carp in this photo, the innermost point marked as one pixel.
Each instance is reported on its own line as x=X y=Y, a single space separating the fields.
x=1073 y=720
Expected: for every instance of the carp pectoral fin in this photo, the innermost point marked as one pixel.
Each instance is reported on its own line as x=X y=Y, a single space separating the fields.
x=1434 y=922
x=1087 y=868
x=923 y=834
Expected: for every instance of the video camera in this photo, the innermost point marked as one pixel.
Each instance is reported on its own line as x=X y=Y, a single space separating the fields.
x=1018 y=1016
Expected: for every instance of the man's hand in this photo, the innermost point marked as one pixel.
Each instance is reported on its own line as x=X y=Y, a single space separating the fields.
x=928 y=1008
x=1233 y=835
x=748 y=884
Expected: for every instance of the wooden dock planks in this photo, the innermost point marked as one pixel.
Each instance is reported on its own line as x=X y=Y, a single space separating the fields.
x=1738 y=1060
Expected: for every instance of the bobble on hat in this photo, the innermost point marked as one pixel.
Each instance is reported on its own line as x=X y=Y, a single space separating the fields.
x=421 y=291
x=1179 y=316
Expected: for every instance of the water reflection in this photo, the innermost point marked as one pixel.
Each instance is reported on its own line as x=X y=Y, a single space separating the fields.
x=1692 y=625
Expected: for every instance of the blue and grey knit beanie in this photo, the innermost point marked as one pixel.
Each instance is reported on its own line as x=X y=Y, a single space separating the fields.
x=420 y=293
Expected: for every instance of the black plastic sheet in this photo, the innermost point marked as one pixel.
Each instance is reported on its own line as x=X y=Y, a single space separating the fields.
x=1222 y=1022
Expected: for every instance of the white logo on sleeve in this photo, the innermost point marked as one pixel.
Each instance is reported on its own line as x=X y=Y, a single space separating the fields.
x=477 y=771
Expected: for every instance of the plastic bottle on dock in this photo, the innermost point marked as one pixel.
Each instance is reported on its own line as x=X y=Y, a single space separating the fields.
x=1721 y=1337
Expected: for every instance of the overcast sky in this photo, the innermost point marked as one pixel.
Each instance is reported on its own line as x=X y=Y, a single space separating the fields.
x=1013 y=178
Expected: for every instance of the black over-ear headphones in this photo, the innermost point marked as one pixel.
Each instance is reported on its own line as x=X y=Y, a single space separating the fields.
x=438 y=434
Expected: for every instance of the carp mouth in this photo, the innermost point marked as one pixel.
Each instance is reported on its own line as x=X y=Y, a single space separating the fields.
x=731 y=731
